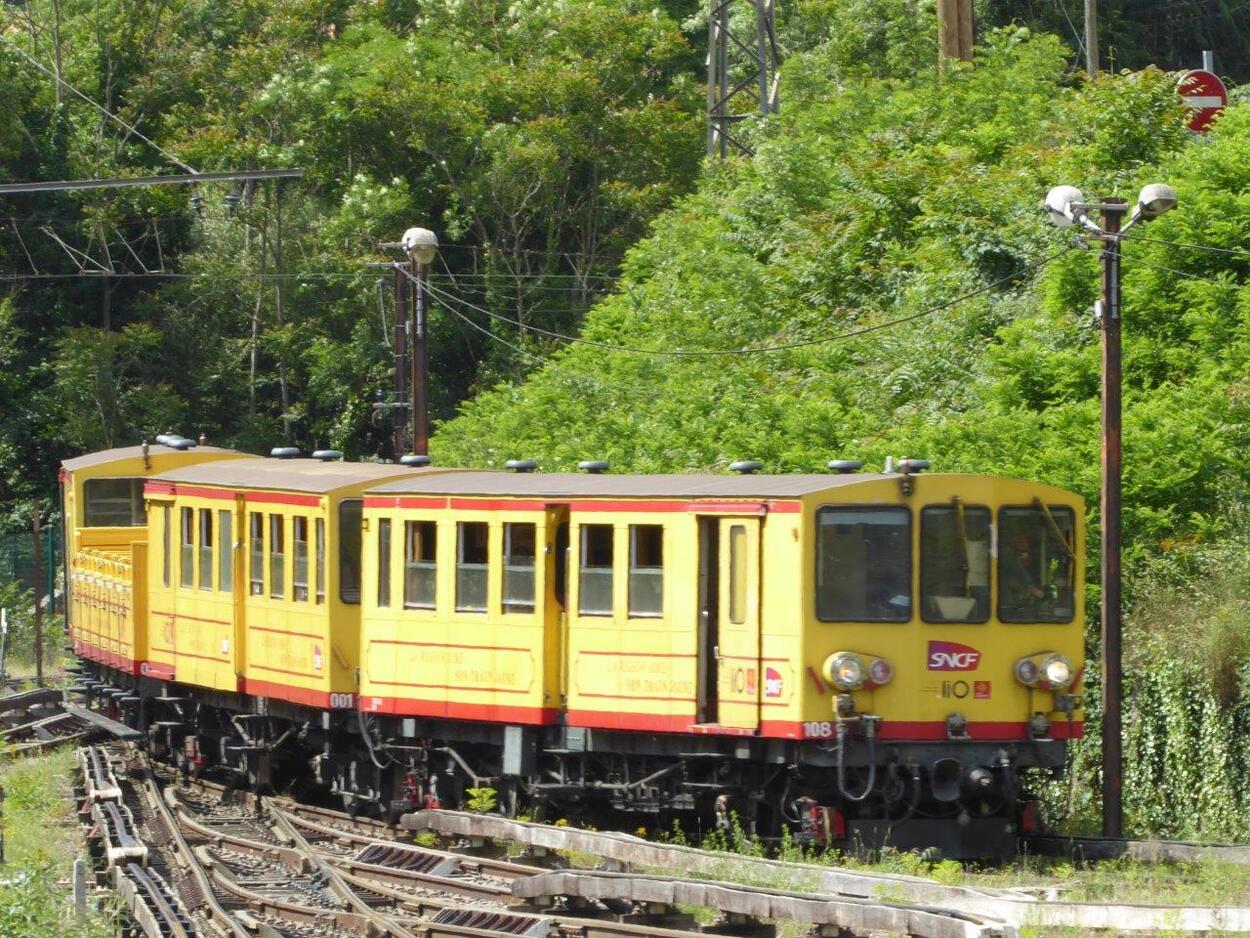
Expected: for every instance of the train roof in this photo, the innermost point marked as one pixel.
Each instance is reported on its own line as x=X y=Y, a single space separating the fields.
x=583 y=485
x=136 y=452
x=288 y=475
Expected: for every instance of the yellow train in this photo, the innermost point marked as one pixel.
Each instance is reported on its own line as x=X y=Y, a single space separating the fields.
x=861 y=656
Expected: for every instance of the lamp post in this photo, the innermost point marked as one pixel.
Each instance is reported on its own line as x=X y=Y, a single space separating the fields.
x=421 y=245
x=1067 y=207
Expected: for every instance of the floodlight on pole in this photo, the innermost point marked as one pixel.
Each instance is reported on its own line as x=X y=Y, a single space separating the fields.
x=1067 y=207
x=420 y=244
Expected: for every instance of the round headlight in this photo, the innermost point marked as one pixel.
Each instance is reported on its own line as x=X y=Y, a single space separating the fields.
x=1026 y=671
x=1058 y=672
x=880 y=671
x=845 y=671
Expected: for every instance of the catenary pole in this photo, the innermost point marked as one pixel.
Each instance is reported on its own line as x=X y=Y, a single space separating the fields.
x=38 y=594
x=1112 y=212
x=1091 y=37
x=420 y=362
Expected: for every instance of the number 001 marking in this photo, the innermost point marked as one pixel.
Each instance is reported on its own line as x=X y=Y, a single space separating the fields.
x=817 y=730
x=342 y=701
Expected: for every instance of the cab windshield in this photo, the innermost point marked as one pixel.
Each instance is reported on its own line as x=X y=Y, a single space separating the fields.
x=1036 y=563
x=863 y=564
x=955 y=563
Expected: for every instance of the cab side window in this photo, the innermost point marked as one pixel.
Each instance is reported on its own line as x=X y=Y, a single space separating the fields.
x=594 y=586
x=472 y=540
x=277 y=556
x=187 y=554
x=646 y=570
x=299 y=542
x=420 y=564
x=256 y=553
x=518 y=567
x=206 y=549
x=349 y=550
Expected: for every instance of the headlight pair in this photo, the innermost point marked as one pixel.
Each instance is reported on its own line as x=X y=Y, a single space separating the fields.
x=849 y=670
x=1047 y=671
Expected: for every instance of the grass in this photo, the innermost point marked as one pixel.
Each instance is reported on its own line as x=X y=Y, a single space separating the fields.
x=42 y=837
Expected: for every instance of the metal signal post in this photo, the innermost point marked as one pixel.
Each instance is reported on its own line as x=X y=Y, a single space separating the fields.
x=1111 y=213
x=1068 y=208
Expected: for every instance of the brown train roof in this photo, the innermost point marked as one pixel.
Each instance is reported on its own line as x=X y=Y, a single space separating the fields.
x=288 y=475
x=136 y=452
x=583 y=485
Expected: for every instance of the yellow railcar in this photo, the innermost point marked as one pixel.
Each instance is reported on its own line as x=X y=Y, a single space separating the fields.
x=860 y=656
x=105 y=536
x=258 y=588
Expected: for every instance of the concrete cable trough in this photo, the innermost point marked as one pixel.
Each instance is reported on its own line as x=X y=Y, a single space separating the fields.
x=1009 y=908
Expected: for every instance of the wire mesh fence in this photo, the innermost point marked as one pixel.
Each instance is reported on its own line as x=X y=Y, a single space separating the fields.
x=17 y=561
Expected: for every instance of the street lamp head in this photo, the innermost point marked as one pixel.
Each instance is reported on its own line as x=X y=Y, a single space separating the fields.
x=1155 y=199
x=420 y=244
x=1059 y=202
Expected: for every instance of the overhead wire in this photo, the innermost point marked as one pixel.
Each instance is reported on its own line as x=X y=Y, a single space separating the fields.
x=1209 y=248
x=99 y=107
x=751 y=350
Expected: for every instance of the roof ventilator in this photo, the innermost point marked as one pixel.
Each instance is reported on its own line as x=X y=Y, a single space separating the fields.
x=521 y=465
x=593 y=466
x=746 y=467
x=845 y=467
x=174 y=441
x=327 y=455
x=285 y=452
x=413 y=461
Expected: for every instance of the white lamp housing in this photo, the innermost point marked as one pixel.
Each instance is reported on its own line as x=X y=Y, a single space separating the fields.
x=420 y=244
x=1155 y=199
x=1059 y=202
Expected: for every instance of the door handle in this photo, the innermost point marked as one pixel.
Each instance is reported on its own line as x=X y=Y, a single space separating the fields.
x=716 y=652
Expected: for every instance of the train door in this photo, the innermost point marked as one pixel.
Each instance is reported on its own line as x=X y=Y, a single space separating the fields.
x=709 y=619
x=556 y=619
x=738 y=673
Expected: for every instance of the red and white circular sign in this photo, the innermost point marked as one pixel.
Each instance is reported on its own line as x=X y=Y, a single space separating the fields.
x=1205 y=94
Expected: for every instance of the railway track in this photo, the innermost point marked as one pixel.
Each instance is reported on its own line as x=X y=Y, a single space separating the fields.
x=198 y=859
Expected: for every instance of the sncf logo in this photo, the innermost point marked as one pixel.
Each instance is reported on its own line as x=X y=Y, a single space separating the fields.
x=773 y=683
x=951 y=656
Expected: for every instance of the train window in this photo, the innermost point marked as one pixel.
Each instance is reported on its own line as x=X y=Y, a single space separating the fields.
x=113 y=503
x=187 y=555
x=518 y=567
x=256 y=541
x=646 y=570
x=167 y=537
x=471 y=575
x=206 y=549
x=277 y=557
x=320 y=560
x=954 y=563
x=299 y=550
x=384 y=562
x=1036 y=564
x=420 y=564
x=349 y=550
x=225 y=537
x=863 y=564
x=738 y=574
x=594 y=588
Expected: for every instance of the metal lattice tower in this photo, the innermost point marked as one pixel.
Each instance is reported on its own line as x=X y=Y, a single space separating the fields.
x=742 y=61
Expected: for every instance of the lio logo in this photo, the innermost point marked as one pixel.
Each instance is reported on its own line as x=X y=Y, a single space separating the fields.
x=951 y=656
